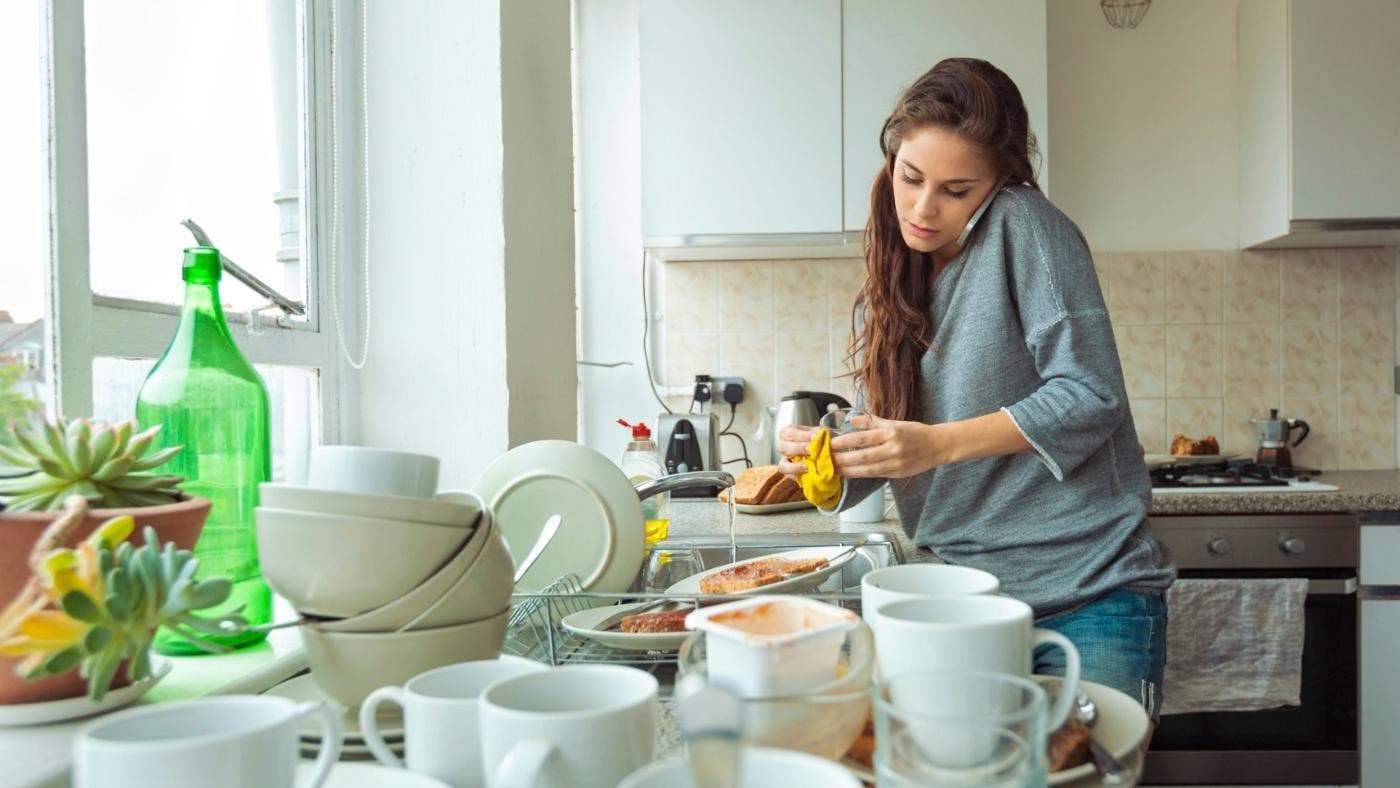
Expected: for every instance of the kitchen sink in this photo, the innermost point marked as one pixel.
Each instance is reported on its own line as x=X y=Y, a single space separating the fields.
x=880 y=550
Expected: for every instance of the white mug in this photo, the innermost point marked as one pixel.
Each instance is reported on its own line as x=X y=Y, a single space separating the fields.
x=870 y=510
x=225 y=741
x=917 y=581
x=577 y=726
x=364 y=469
x=440 y=718
x=986 y=633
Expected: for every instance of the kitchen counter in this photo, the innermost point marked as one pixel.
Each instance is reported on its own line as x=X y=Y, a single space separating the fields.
x=1360 y=491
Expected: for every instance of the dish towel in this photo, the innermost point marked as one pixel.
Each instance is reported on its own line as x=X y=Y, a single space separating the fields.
x=820 y=484
x=1234 y=645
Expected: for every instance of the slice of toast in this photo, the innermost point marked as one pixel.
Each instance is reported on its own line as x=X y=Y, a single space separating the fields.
x=754 y=483
x=783 y=491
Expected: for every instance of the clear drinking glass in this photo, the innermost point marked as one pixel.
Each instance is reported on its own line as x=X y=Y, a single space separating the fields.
x=668 y=566
x=960 y=728
x=839 y=421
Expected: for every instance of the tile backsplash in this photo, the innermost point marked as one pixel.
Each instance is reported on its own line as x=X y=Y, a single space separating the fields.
x=1208 y=340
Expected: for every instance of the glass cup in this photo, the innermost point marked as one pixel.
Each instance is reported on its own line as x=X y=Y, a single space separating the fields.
x=840 y=421
x=667 y=566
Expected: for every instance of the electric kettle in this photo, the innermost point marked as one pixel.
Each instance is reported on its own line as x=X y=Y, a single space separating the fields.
x=803 y=408
x=1273 y=434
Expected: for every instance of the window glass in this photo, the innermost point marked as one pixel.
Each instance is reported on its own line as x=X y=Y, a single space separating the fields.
x=192 y=112
x=22 y=387
x=292 y=396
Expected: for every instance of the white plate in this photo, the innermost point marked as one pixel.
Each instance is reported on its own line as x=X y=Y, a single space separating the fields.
x=47 y=711
x=602 y=536
x=369 y=775
x=793 y=585
x=772 y=508
x=583 y=623
x=1161 y=460
x=303 y=688
x=1121 y=727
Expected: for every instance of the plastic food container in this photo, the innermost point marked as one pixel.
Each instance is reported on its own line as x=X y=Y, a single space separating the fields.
x=772 y=645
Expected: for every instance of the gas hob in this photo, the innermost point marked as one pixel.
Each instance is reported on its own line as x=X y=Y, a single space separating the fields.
x=1235 y=478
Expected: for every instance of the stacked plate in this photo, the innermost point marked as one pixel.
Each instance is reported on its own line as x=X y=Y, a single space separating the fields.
x=353 y=748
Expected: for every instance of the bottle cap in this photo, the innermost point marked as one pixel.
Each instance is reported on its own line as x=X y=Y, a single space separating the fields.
x=640 y=430
x=202 y=265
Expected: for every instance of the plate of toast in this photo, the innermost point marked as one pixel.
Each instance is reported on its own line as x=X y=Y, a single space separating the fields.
x=762 y=489
x=642 y=631
x=789 y=572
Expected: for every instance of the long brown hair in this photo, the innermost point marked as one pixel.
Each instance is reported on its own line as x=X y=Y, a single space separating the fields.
x=978 y=102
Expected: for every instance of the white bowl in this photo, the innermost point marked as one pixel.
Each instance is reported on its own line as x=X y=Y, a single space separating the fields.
x=428 y=594
x=341 y=566
x=481 y=590
x=348 y=666
x=448 y=508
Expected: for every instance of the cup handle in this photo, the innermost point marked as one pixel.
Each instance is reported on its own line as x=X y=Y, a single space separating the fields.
x=369 y=724
x=332 y=732
x=522 y=765
x=1069 y=687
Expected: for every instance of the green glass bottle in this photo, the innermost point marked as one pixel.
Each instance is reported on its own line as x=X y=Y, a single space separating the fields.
x=214 y=403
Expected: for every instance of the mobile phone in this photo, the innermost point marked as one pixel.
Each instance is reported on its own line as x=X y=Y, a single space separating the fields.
x=977 y=214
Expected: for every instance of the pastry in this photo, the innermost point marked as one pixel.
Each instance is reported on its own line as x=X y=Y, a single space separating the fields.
x=1068 y=746
x=1183 y=446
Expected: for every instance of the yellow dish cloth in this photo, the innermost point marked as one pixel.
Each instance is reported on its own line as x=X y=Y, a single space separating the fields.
x=820 y=484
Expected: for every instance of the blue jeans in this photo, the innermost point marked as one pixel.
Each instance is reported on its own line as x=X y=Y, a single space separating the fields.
x=1122 y=642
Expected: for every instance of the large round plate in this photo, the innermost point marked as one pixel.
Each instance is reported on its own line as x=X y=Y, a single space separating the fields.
x=303 y=688
x=584 y=623
x=602 y=536
x=44 y=712
x=804 y=582
x=1162 y=460
x=368 y=775
x=1121 y=727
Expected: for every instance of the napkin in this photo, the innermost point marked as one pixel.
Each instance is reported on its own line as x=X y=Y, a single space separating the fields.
x=820 y=484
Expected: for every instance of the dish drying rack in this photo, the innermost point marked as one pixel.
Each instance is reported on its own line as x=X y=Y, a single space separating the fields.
x=534 y=630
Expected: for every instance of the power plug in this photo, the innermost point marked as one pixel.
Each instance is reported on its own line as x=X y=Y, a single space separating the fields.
x=730 y=389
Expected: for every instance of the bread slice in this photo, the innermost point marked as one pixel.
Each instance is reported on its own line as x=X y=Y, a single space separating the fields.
x=669 y=621
x=754 y=574
x=754 y=483
x=783 y=491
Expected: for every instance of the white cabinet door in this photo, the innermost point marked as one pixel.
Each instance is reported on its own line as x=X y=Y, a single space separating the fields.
x=741 y=116
x=1379 y=691
x=890 y=43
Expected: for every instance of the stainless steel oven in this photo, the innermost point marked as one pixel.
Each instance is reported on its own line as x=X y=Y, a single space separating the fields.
x=1316 y=741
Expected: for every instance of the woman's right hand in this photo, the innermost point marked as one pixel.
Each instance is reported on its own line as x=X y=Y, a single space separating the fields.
x=793 y=441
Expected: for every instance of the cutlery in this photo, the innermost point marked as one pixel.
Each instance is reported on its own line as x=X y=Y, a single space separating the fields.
x=858 y=544
x=1086 y=711
x=551 y=527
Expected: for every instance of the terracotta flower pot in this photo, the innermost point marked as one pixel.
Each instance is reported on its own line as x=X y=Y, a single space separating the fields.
x=177 y=522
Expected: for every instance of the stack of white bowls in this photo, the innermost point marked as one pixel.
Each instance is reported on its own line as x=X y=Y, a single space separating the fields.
x=393 y=577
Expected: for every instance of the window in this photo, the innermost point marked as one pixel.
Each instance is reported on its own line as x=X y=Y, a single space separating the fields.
x=168 y=110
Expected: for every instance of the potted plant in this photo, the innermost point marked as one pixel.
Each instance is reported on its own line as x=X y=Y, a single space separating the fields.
x=90 y=612
x=109 y=466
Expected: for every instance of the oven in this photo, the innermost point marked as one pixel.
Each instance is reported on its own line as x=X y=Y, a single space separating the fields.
x=1316 y=741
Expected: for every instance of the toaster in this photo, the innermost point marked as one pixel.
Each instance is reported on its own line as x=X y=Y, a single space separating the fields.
x=689 y=442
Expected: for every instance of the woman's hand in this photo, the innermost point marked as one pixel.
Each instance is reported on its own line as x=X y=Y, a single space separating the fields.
x=793 y=441
x=888 y=449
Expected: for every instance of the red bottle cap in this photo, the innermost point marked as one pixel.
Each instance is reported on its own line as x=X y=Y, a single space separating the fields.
x=640 y=430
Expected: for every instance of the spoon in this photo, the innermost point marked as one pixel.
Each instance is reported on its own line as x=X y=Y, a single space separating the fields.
x=551 y=527
x=858 y=544
x=1086 y=711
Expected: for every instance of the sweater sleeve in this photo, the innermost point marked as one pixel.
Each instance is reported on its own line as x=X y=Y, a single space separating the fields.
x=853 y=491
x=1081 y=399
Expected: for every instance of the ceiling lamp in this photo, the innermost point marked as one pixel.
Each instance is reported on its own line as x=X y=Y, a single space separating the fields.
x=1124 y=14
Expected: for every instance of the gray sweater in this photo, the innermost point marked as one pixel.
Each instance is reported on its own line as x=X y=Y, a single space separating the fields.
x=1020 y=326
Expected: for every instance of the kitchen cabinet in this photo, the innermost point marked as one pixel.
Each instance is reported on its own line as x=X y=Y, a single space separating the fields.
x=740 y=117
x=1379 y=643
x=887 y=44
x=1319 y=123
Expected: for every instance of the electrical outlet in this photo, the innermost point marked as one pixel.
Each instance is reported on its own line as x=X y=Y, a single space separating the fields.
x=718 y=383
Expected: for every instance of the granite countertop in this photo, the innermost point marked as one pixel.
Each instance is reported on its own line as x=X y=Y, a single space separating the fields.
x=1360 y=491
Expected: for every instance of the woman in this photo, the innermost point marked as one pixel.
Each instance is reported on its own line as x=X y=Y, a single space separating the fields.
x=989 y=366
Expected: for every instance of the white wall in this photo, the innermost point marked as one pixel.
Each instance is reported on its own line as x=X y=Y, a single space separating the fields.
x=447 y=233
x=1144 y=125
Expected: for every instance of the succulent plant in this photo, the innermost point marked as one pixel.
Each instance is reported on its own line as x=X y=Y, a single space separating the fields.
x=93 y=607
x=106 y=465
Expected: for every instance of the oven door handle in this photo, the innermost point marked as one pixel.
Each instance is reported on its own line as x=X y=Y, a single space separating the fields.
x=1332 y=587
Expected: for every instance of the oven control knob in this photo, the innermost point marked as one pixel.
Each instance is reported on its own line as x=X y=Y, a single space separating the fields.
x=1292 y=546
x=1218 y=546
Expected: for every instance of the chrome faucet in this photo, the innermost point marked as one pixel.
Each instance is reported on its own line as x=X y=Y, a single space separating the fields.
x=678 y=481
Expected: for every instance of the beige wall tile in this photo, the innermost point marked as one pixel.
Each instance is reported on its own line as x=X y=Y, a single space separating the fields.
x=1251 y=287
x=1194 y=418
x=1321 y=449
x=1195 y=285
x=800 y=295
x=1150 y=419
x=749 y=356
x=1366 y=358
x=1194 y=361
x=746 y=296
x=846 y=276
x=840 y=342
x=692 y=297
x=1367 y=432
x=802 y=360
x=1308 y=362
x=689 y=354
x=1142 y=350
x=1252 y=360
x=1366 y=284
x=1136 y=289
x=1308 y=286
x=1239 y=436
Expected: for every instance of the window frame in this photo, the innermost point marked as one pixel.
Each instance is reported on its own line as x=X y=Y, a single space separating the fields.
x=81 y=325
